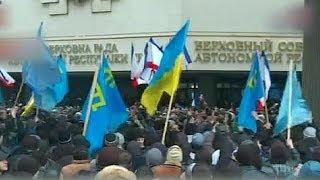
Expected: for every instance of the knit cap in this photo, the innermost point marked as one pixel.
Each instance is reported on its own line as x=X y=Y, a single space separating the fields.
x=309 y=132
x=174 y=155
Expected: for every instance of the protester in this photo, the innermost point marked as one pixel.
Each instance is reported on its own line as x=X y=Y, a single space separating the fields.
x=309 y=140
x=283 y=159
x=172 y=168
x=250 y=162
x=81 y=164
x=115 y=173
x=201 y=143
x=311 y=169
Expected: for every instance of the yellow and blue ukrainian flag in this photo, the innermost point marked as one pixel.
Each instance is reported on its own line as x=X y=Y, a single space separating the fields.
x=252 y=94
x=167 y=77
x=108 y=110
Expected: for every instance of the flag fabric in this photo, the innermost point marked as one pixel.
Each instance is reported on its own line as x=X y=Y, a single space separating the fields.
x=46 y=76
x=6 y=79
x=62 y=87
x=252 y=94
x=29 y=107
x=51 y=96
x=300 y=112
x=167 y=77
x=108 y=110
x=136 y=69
x=42 y=71
x=187 y=55
x=266 y=79
x=153 y=56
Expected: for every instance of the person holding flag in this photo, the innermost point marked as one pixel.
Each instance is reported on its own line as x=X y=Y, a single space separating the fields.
x=105 y=110
x=167 y=77
x=254 y=91
x=46 y=75
x=293 y=109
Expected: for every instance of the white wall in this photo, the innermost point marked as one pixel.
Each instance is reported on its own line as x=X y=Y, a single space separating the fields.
x=144 y=16
x=238 y=15
x=136 y=20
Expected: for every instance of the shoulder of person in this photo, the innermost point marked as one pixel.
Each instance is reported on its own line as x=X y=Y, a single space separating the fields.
x=267 y=169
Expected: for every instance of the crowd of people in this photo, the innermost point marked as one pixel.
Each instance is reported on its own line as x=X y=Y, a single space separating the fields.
x=201 y=143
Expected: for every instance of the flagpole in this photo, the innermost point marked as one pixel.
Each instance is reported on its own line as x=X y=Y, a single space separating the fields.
x=168 y=113
x=92 y=89
x=36 y=118
x=18 y=94
x=167 y=120
x=290 y=101
x=266 y=111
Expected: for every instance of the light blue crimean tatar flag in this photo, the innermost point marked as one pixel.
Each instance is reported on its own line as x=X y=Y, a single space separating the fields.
x=45 y=75
x=108 y=110
x=300 y=112
x=252 y=94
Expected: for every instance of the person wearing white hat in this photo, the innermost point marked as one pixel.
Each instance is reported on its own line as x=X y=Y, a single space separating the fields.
x=309 y=140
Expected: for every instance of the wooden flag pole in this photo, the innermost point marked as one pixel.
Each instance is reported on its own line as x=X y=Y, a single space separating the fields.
x=170 y=106
x=167 y=120
x=36 y=118
x=18 y=94
x=290 y=101
x=92 y=89
x=267 y=112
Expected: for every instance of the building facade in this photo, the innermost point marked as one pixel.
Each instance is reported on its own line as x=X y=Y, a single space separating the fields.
x=221 y=40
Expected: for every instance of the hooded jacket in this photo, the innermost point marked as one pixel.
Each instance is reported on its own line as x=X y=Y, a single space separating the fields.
x=310 y=169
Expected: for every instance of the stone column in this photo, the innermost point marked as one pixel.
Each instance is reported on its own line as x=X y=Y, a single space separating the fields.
x=311 y=63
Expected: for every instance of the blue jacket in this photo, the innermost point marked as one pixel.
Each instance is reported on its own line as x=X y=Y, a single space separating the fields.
x=310 y=169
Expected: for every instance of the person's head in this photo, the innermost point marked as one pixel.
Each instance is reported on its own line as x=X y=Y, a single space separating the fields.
x=174 y=156
x=75 y=129
x=204 y=156
x=125 y=159
x=161 y=147
x=111 y=140
x=134 y=148
x=150 y=139
x=202 y=171
x=80 y=153
x=310 y=170
x=249 y=154
x=315 y=153
x=108 y=156
x=279 y=153
x=121 y=140
x=27 y=164
x=309 y=132
x=80 y=141
x=197 y=141
x=3 y=165
x=64 y=137
x=31 y=142
x=154 y=157
x=115 y=173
